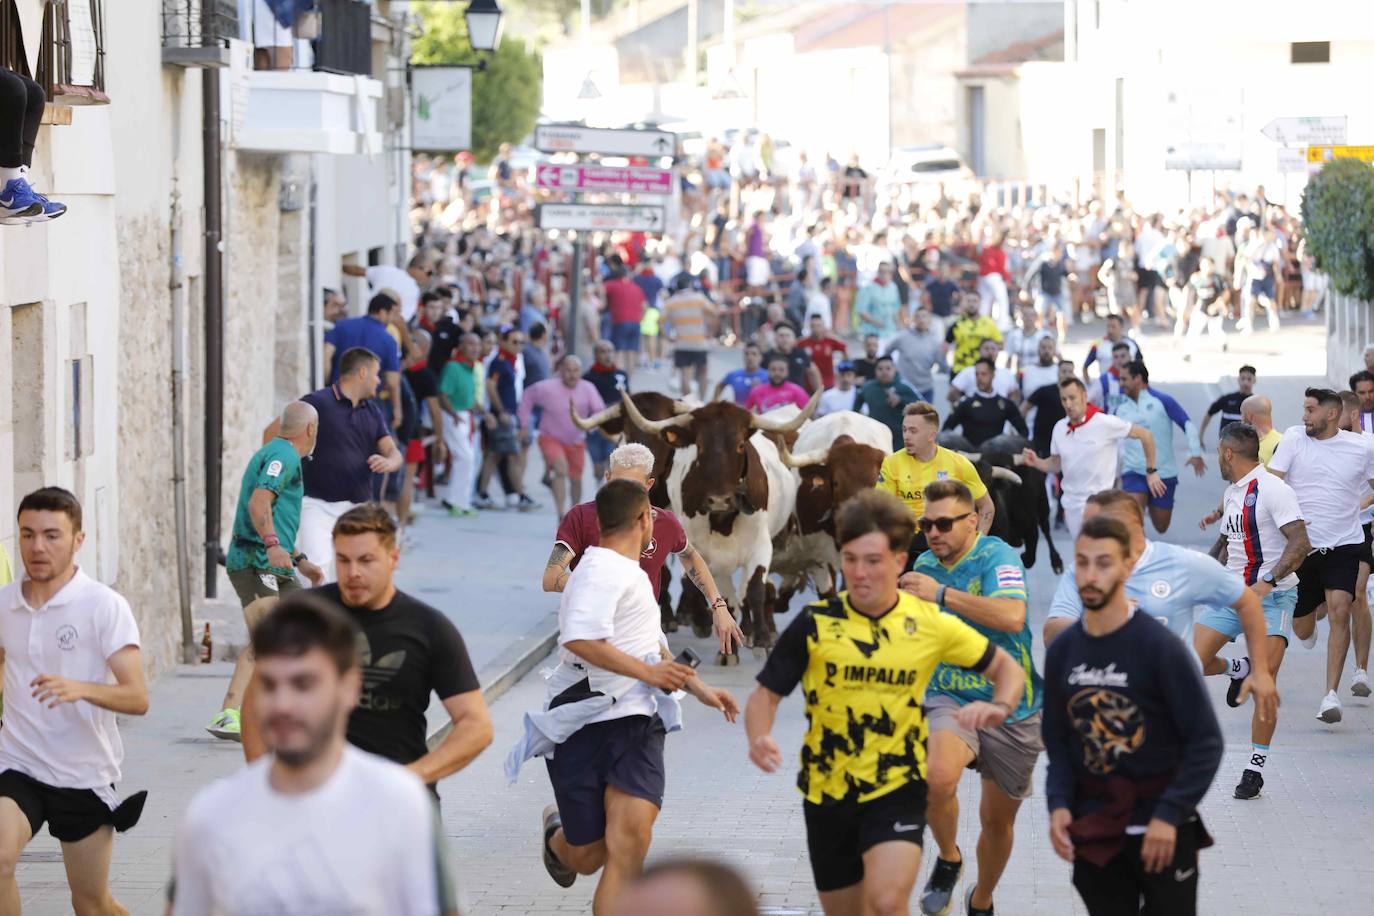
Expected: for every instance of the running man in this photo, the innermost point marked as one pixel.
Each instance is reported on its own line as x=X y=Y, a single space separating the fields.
x=864 y=659
x=1083 y=453
x=317 y=826
x=613 y=694
x=1159 y=413
x=1258 y=411
x=1107 y=393
x=1101 y=351
x=579 y=531
x=983 y=413
x=1132 y=742
x=981 y=581
x=69 y=648
x=1329 y=468
x=561 y=442
x=907 y=473
x=1264 y=540
x=1229 y=404
x=263 y=559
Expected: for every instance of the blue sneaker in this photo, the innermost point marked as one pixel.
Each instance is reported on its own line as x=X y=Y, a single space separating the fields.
x=51 y=208
x=18 y=203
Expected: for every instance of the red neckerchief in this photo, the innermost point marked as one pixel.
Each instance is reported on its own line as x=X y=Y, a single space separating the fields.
x=503 y=353
x=426 y=324
x=598 y=367
x=1092 y=411
x=419 y=365
x=461 y=359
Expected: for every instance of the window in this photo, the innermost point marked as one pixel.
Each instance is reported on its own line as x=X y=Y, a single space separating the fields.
x=1311 y=52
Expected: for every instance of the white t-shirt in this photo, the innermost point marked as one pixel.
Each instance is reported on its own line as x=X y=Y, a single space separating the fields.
x=74 y=745
x=1035 y=376
x=365 y=842
x=833 y=400
x=1254 y=509
x=1088 y=453
x=609 y=597
x=1026 y=346
x=384 y=276
x=1329 y=476
x=1003 y=381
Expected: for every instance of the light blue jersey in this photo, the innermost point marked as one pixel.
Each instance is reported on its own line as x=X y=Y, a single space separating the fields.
x=1168 y=583
x=1157 y=412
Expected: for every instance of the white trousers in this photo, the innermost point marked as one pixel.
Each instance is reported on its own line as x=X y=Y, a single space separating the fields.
x=992 y=294
x=316 y=537
x=462 y=452
x=1073 y=516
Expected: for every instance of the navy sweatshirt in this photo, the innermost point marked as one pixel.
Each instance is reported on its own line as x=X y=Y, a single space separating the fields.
x=1129 y=704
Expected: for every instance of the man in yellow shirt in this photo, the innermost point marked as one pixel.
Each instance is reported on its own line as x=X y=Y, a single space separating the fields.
x=906 y=473
x=863 y=660
x=967 y=333
x=1259 y=413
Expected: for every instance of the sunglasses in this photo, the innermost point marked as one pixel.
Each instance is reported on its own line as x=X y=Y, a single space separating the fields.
x=942 y=525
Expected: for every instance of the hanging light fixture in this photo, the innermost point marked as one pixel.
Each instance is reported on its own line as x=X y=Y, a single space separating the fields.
x=484 y=19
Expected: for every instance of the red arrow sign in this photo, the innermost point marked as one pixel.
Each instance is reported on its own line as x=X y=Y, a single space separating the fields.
x=592 y=178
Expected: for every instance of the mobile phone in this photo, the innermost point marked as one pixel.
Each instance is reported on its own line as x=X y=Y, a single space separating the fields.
x=689 y=658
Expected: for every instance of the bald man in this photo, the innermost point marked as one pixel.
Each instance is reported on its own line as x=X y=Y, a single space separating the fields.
x=1258 y=411
x=687 y=888
x=263 y=560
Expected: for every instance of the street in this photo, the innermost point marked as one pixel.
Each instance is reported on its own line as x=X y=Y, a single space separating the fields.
x=484 y=573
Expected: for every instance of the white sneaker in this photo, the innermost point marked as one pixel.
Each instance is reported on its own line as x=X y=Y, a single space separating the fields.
x=1331 y=708
x=1309 y=642
x=1359 y=684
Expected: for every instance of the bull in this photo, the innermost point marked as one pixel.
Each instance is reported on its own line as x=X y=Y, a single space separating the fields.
x=733 y=494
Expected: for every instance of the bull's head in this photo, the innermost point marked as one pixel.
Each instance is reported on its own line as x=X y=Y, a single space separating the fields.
x=831 y=476
x=612 y=423
x=727 y=475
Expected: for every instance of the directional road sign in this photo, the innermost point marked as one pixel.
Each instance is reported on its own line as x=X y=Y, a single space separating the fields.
x=1306 y=131
x=1327 y=153
x=600 y=217
x=592 y=178
x=572 y=138
x=1292 y=159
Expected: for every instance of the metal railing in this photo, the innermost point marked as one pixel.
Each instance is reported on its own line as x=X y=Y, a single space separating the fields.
x=332 y=36
x=189 y=24
x=345 y=41
x=71 y=54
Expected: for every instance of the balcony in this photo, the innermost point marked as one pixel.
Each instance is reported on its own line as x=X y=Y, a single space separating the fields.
x=196 y=33
x=71 y=49
x=308 y=111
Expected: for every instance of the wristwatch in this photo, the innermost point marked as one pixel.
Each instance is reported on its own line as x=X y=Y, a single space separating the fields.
x=1268 y=579
x=298 y=559
x=1152 y=470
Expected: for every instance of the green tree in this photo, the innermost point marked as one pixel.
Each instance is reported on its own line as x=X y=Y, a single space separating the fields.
x=1338 y=219
x=505 y=97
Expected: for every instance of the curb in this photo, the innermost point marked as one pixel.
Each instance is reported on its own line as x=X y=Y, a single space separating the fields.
x=505 y=671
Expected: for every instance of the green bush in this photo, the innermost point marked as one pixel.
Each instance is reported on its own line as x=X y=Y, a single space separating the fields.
x=1338 y=217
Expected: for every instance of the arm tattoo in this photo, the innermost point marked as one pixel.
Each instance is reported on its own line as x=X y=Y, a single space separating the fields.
x=692 y=563
x=560 y=557
x=1218 y=551
x=1294 y=549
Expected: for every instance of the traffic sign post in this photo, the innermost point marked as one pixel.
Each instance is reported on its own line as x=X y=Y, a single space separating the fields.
x=600 y=217
x=599 y=178
x=1291 y=159
x=1328 y=153
x=573 y=138
x=1324 y=131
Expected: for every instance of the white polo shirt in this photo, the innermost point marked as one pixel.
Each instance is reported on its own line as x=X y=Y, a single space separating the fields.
x=1255 y=509
x=609 y=597
x=1329 y=476
x=1087 y=453
x=74 y=745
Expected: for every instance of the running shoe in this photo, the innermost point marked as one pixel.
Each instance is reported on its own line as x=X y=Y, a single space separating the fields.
x=19 y=204
x=51 y=208
x=225 y=725
x=484 y=502
x=526 y=504
x=938 y=895
x=1309 y=642
x=457 y=512
x=970 y=909
x=1233 y=692
x=1331 y=708
x=1250 y=784
x=562 y=875
x=1359 y=684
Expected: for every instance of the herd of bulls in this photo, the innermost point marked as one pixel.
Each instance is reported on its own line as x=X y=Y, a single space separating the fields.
x=758 y=495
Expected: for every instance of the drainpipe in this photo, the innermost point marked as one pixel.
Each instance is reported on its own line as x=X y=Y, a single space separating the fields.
x=177 y=285
x=214 y=321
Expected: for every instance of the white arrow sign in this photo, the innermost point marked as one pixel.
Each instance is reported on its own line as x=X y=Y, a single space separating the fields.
x=600 y=218
x=571 y=138
x=1292 y=159
x=1306 y=131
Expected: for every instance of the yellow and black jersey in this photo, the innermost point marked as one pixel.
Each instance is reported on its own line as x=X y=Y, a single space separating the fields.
x=864 y=679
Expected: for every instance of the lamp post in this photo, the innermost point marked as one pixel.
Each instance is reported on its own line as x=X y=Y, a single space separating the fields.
x=484 y=19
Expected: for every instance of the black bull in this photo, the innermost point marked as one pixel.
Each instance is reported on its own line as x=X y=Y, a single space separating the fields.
x=1023 y=509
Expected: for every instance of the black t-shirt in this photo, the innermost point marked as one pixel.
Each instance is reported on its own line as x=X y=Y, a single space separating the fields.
x=423 y=382
x=983 y=416
x=1228 y=405
x=610 y=383
x=864 y=369
x=1049 y=410
x=443 y=341
x=798 y=361
x=408 y=649
x=942 y=293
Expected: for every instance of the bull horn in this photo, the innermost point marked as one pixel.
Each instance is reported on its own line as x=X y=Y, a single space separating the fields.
x=596 y=420
x=787 y=426
x=682 y=407
x=805 y=459
x=973 y=457
x=1006 y=475
x=652 y=426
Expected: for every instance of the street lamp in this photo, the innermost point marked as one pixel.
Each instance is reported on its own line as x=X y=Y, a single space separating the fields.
x=484 y=24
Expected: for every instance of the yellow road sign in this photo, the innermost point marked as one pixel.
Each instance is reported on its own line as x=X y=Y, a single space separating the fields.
x=1327 y=153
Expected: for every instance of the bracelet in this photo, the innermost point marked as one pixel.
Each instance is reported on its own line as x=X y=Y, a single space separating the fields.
x=272 y=541
x=940 y=595
x=720 y=600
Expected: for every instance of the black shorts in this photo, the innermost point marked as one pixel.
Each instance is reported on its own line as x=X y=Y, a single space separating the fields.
x=689 y=359
x=626 y=753
x=1336 y=568
x=1148 y=279
x=1122 y=887
x=72 y=814
x=838 y=834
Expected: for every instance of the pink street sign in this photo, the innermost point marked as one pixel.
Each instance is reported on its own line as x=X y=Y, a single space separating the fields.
x=593 y=178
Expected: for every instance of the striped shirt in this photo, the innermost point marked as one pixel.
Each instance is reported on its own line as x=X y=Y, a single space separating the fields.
x=686 y=314
x=1254 y=511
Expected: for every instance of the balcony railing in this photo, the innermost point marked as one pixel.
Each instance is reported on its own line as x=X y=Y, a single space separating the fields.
x=345 y=42
x=329 y=36
x=71 y=50
x=196 y=33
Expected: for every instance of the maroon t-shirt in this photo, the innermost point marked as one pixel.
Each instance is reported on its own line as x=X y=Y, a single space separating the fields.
x=580 y=530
